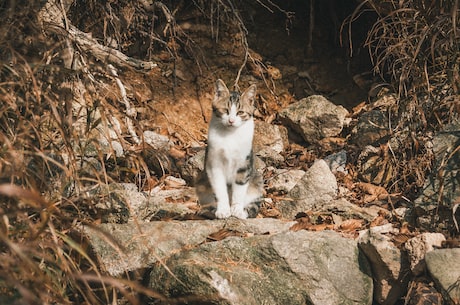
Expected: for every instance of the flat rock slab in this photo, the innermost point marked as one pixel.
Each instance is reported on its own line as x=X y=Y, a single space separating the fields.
x=293 y=268
x=126 y=247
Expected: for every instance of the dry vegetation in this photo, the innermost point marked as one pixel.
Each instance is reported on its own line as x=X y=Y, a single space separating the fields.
x=59 y=98
x=414 y=47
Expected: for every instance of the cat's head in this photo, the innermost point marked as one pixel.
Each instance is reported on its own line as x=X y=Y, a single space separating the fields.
x=231 y=108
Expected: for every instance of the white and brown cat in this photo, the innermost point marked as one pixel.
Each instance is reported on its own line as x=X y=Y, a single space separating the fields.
x=230 y=184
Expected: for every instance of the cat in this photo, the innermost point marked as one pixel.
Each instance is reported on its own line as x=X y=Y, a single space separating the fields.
x=229 y=185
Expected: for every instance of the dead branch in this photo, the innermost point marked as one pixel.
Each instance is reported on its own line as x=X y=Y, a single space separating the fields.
x=131 y=112
x=53 y=19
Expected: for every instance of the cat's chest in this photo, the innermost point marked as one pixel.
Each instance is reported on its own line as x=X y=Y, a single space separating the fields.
x=231 y=145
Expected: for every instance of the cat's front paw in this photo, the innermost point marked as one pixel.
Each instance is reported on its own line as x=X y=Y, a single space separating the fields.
x=222 y=213
x=238 y=211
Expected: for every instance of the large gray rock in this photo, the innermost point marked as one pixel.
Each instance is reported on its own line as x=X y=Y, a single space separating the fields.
x=444 y=267
x=293 y=268
x=130 y=246
x=317 y=187
x=390 y=267
x=314 y=118
x=441 y=191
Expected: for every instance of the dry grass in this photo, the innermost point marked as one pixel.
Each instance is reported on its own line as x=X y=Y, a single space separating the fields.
x=52 y=120
x=62 y=125
x=414 y=45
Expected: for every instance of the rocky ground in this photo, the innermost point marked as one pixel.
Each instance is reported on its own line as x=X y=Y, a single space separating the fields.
x=336 y=225
x=357 y=209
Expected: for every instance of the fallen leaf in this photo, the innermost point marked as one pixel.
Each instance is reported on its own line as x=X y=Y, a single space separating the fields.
x=173 y=182
x=350 y=225
x=224 y=233
x=378 y=221
x=359 y=108
x=374 y=192
x=177 y=153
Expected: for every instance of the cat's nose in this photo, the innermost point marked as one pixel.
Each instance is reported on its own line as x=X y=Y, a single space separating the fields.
x=231 y=121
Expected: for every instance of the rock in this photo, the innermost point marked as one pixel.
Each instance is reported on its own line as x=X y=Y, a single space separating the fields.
x=269 y=141
x=166 y=203
x=390 y=267
x=314 y=118
x=418 y=246
x=269 y=157
x=432 y=205
x=193 y=166
x=157 y=141
x=316 y=187
x=348 y=210
x=372 y=129
x=283 y=180
x=286 y=268
x=138 y=245
x=444 y=267
x=123 y=202
x=337 y=162
x=111 y=203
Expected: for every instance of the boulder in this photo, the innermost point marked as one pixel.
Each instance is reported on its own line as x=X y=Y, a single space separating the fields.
x=293 y=268
x=316 y=187
x=444 y=267
x=314 y=118
x=418 y=246
x=441 y=192
x=390 y=267
x=126 y=247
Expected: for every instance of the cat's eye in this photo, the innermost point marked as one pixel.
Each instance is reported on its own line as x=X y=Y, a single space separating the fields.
x=240 y=112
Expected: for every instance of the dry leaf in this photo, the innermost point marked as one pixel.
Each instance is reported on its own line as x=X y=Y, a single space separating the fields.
x=173 y=182
x=350 y=225
x=332 y=143
x=374 y=192
x=224 y=233
x=358 y=108
x=321 y=227
x=177 y=153
x=378 y=221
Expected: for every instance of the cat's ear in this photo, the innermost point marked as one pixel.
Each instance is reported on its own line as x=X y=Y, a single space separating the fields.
x=221 y=89
x=249 y=94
